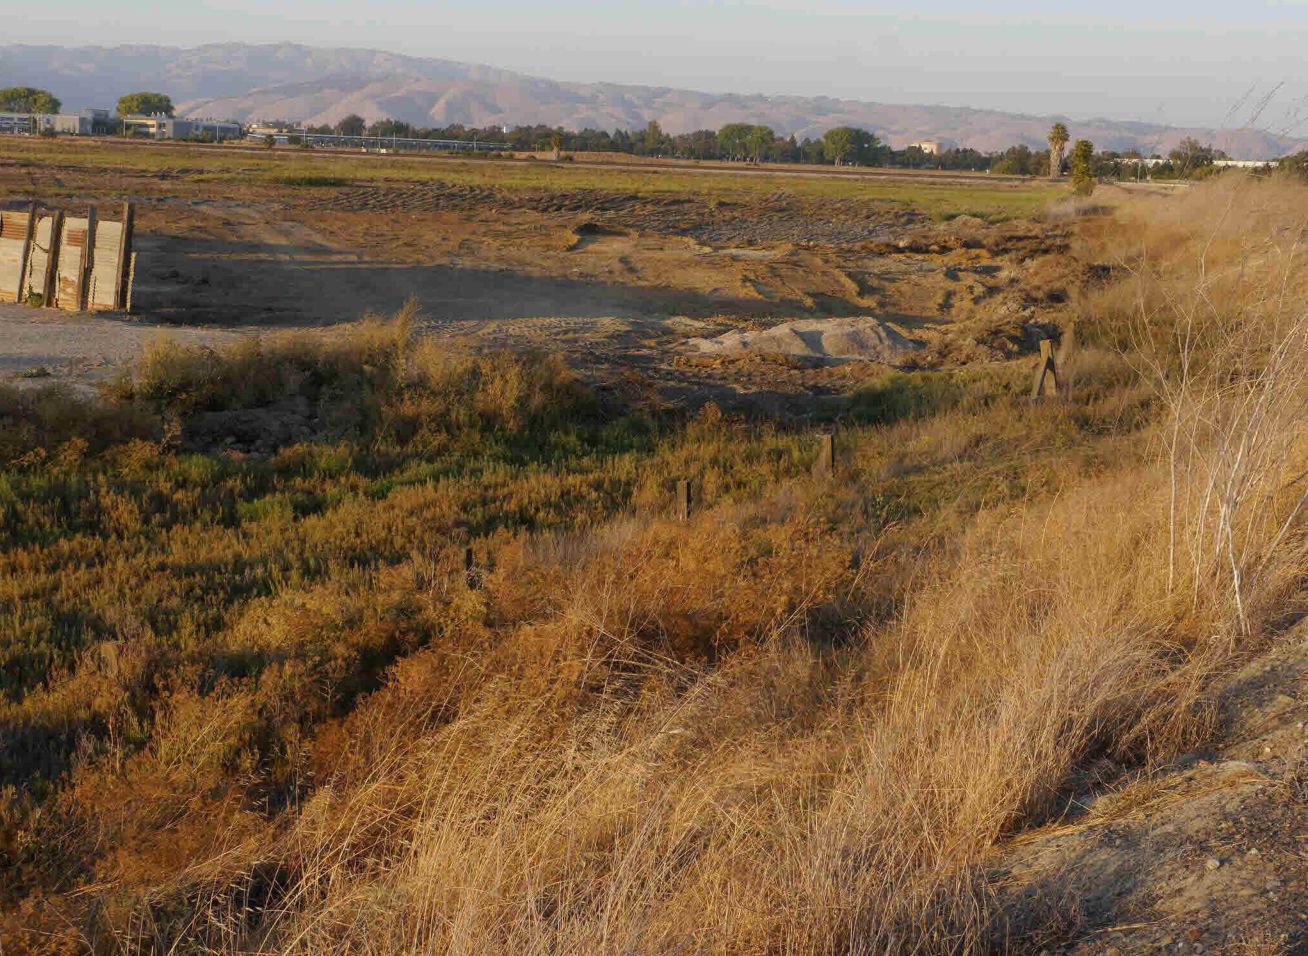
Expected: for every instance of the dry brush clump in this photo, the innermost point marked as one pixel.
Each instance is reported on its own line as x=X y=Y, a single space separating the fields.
x=803 y=722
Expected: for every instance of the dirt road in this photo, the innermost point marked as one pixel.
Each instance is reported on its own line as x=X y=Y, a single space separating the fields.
x=40 y=346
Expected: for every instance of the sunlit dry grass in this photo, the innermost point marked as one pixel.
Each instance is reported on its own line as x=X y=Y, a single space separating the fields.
x=260 y=709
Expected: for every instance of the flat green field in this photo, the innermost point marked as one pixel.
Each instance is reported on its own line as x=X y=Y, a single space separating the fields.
x=960 y=195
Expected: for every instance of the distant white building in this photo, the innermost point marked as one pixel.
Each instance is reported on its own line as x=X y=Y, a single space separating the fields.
x=86 y=123
x=929 y=146
x=168 y=127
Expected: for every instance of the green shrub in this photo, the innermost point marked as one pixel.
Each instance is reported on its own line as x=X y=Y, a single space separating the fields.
x=918 y=395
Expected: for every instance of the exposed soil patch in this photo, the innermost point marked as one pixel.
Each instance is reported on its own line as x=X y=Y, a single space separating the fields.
x=1205 y=855
x=616 y=281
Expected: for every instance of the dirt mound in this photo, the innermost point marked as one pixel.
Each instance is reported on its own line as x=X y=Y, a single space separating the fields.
x=863 y=338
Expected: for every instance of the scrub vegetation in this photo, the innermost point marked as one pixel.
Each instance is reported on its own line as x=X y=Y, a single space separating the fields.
x=260 y=704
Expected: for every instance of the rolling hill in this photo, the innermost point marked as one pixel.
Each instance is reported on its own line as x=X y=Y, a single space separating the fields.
x=290 y=81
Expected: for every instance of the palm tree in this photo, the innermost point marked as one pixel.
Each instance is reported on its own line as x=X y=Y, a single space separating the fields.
x=1057 y=140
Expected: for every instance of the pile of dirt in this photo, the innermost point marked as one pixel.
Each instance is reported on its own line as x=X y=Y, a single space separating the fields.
x=863 y=338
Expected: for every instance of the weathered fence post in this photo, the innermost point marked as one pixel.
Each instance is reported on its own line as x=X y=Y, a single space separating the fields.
x=88 y=263
x=123 y=294
x=682 y=507
x=825 y=466
x=51 y=282
x=131 y=277
x=27 y=253
x=1046 y=376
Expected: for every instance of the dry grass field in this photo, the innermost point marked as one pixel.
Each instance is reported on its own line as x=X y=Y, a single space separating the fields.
x=254 y=702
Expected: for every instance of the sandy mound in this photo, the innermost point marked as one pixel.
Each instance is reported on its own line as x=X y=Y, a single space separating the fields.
x=863 y=338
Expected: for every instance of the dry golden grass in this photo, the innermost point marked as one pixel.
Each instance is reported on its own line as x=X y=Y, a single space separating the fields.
x=803 y=722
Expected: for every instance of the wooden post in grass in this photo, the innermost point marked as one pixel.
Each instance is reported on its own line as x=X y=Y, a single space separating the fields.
x=26 y=257
x=1045 y=383
x=682 y=507
x=825 y=466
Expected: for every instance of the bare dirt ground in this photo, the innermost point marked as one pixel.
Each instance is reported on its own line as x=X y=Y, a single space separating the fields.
x=41 y=345
x=616 y=281
x=1206 y=855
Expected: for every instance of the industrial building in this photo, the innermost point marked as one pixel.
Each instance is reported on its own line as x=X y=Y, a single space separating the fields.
x=91 y=122
x=168 y=127
x=283 y=137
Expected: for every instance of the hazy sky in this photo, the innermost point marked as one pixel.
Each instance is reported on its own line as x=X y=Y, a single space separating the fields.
x=1178 y=62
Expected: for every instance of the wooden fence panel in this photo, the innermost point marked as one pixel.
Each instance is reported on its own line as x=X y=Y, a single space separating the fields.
x=72 y=245
x=105 y=277
x=13 y=240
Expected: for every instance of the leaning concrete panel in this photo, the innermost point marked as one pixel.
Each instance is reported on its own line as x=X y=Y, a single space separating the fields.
x=104 y=272
x=38 y=263
x=71 y=246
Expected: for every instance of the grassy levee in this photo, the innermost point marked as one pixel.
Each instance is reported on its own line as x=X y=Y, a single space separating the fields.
x=256 y=706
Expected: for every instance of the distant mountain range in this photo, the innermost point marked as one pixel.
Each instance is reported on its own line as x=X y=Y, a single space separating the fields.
x=288 y=81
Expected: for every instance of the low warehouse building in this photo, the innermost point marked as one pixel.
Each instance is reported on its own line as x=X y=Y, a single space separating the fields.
x=89 y=122
x=168 y=127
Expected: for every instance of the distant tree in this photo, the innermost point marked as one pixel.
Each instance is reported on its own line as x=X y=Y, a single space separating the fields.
x=733 y=140
x=1058 y=137
x=758 y=141
x=26 y=99
x=653 y=137
x=1296 y=165
x=701 y=144
x=145 y=104
x=270 y=140
x=1190 y=156
x=850 y=144
x=390 y=127
x=556 y=139
x=352 y=125
x=1083 y=157
x=837 y=143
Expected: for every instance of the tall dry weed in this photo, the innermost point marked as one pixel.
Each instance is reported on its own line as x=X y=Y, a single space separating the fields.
x=1223 y=335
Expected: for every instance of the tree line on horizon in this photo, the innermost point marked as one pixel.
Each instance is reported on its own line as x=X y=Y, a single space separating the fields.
x=743 y=142
x=839 y=146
